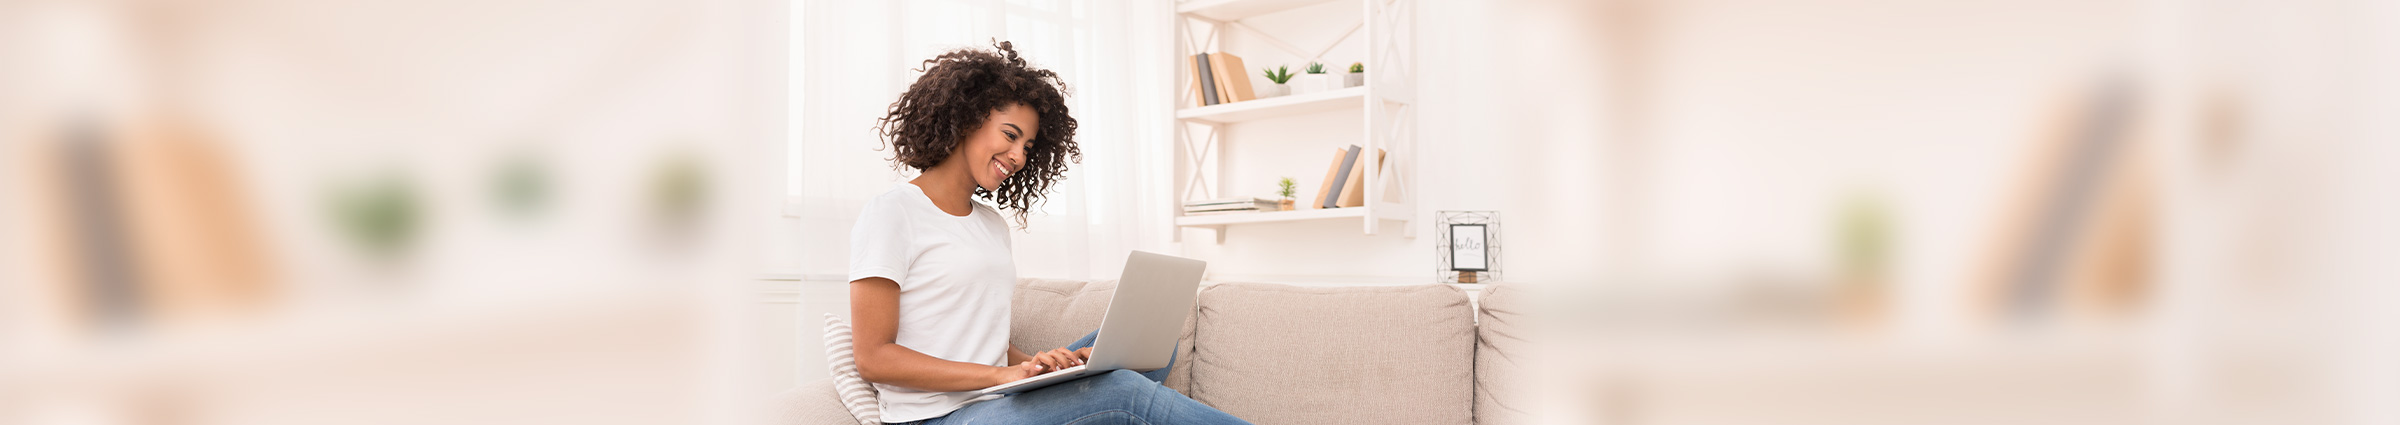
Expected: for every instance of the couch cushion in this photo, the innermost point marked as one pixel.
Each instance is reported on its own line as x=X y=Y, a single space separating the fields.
x=1049 y=313
x=1180 y=379
x=1280 y=354
x=1500 y=352
x=812 y=403
x=853 y=391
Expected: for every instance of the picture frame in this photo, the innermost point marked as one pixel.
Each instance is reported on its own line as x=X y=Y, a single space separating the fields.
x=1482 y=262
x=1468 y=243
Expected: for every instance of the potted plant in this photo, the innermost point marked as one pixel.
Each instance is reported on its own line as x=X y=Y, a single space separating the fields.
x=1279 y=75
x=1356 y=77
x=1315 y=80
x=1285 y=188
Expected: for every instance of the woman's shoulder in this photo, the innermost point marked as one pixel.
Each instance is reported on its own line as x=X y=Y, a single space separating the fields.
x=900 y=195
x=891 y=208
x=991 y=219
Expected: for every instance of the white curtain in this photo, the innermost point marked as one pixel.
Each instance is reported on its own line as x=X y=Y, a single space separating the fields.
x=853 y=58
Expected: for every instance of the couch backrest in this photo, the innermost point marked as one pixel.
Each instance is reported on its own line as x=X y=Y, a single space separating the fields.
x=1049 y=313
x=1502 y=348
x=1289 y=354
x=1281 y=354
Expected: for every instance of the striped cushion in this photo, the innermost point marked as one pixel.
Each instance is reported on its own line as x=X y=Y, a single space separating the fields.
x=854 y=391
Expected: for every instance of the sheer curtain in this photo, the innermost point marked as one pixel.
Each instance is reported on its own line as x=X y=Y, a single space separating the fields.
x=853 y=58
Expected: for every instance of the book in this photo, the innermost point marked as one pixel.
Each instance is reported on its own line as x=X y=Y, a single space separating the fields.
x=1229 y=207
x=1234 y=204
x=1248 y=211
x=1232 y=77
x=1225 y=208
x=1242 y=205
x=1336 y=177
x=1251 y=207
x=1233 y=84
x=1192 y=64
x=1354 y=192
x=1208 y=82
x=1328 y=186
x=1216 y=70
x=1235 y=200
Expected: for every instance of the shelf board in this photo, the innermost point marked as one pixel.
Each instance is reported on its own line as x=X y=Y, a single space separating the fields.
x=1281 y=106
x=1235 y=10
x=1387 y=210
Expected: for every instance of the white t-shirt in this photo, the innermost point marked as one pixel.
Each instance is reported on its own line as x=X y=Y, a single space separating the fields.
x=955 y=276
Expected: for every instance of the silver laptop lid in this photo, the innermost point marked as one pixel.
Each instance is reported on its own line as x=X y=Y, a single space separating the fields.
x=1145 y=318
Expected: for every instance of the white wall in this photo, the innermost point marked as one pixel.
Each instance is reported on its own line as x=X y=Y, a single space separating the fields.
x=791 y=327
x=602 y=298
x=1695 y=141
x=1759 y=118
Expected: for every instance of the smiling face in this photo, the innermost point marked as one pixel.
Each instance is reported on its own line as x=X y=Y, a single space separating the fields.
x=984 y=123
x=996 y=150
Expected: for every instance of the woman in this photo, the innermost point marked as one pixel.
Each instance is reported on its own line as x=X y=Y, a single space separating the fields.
x=930 y=270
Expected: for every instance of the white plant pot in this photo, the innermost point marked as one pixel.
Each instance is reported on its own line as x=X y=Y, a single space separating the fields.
x=1273 y=90
x=1354 y=79
x=1311 y=83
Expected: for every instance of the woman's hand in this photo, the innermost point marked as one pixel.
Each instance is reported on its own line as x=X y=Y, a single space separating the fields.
x=1060 y=358
x=1046 y=362
x=1003 y=375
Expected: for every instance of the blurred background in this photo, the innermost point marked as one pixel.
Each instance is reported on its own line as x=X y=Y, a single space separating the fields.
x=377 y=212
x=1741 y=211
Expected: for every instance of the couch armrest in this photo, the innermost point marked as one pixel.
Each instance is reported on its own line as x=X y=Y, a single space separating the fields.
x=810 y=403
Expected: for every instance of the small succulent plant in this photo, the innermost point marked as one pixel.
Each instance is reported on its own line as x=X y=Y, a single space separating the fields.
x=1358 y=67
x=1285 y=188
x=1279 y=75
x=1316 y=68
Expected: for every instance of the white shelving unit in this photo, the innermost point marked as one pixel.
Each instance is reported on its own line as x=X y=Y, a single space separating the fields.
x=1387 y=101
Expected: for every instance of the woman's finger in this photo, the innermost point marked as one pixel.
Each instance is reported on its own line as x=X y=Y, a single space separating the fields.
x=1057 y=359
x=1042 y=360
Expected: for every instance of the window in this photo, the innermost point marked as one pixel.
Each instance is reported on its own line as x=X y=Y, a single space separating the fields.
x=850 y=60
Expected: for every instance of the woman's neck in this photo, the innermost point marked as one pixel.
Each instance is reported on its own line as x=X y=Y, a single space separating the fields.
x=949 y=186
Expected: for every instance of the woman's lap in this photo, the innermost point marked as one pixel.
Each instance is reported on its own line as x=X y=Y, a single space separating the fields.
x=1116 y=397
x=1159 y=375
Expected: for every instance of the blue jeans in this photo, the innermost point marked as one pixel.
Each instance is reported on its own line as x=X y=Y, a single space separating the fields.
x=1117 y=397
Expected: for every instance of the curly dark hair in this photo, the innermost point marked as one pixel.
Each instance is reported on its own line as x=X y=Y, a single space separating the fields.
x=959 y=91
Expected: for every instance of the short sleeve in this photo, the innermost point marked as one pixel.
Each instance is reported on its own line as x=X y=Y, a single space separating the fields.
x=879 y=244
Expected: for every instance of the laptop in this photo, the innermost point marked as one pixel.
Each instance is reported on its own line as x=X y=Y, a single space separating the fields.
x=1140 y=328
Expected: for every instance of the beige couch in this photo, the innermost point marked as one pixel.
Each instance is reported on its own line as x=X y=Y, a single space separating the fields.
x=1280 y=354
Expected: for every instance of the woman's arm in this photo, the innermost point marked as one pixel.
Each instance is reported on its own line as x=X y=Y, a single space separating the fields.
x=875 y=322
x=1016 y=356
x=1055 y=359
